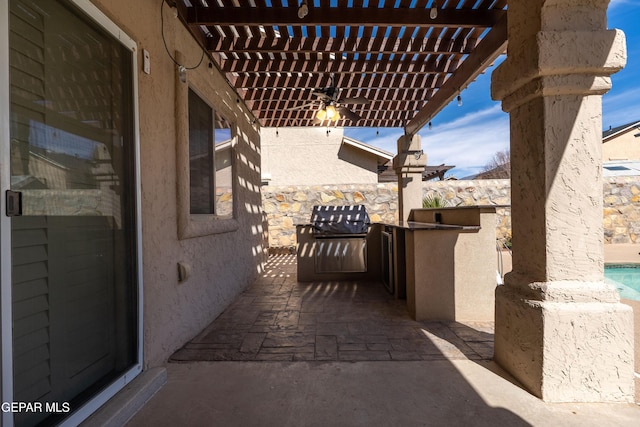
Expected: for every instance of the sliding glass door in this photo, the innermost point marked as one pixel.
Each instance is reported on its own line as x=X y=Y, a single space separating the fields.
x=73 y=215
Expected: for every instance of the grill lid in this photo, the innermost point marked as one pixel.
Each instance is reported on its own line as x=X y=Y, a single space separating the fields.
x=340 y=219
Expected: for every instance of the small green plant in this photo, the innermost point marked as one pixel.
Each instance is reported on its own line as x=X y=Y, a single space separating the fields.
x=505 y=241
x=434 y=201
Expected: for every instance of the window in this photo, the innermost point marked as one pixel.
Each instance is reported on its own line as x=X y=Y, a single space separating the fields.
x=616 y=168
x=206 y=160
x=201 y=174
x=210 y=160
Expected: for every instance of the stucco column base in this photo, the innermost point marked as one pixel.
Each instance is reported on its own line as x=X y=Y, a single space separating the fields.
x=566 y=341
x=560 y=329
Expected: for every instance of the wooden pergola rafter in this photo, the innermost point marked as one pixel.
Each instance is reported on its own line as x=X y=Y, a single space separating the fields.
x=391 y=52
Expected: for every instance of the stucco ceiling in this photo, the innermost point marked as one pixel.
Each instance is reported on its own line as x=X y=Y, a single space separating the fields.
x=406 y=63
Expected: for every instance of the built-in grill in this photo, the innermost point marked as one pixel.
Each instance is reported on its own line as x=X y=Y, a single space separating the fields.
x=336 y=221
x=340 y=234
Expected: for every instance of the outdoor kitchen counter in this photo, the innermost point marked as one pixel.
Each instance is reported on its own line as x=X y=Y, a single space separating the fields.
x=416 y=225
x=408 y=225
x=444 y=262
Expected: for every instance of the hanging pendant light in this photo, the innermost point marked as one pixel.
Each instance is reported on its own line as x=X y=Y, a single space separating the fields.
x=321 y=114
x=303 y=10
x=331 y=112
x=433 y=13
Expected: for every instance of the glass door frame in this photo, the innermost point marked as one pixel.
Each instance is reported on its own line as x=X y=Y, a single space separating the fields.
x=6 y=355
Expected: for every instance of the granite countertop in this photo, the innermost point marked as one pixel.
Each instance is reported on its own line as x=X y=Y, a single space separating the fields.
x=414 y=225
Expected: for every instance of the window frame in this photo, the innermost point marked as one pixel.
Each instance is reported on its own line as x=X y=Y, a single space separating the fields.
x=198 y=225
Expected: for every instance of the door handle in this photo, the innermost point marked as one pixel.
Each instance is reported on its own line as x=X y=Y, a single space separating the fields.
x=14 y=203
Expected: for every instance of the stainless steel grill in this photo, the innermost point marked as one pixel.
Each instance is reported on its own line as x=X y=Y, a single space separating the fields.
x=341 y=238
x=339 y=220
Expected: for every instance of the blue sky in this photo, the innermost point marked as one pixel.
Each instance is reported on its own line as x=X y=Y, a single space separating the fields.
x=469 y=136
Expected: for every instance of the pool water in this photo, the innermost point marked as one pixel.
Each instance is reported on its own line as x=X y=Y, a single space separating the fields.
x=626 y=278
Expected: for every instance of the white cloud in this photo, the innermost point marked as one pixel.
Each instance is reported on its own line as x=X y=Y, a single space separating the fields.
x=470 y=141
x=621 y=108
x=616 y=3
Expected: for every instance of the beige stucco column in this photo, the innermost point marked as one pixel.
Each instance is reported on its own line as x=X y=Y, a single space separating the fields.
x=409 y=165
x=560 y=329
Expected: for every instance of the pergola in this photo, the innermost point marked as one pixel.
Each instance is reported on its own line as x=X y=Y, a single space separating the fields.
x=409 y=58
x=559 y=329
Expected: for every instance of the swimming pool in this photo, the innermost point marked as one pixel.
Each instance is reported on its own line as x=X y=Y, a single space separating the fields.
x=626 y=278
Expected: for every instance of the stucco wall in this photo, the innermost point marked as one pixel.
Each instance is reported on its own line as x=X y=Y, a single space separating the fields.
x=221 y=265
x=307 y=156
x=622 y=147
x=286 y=206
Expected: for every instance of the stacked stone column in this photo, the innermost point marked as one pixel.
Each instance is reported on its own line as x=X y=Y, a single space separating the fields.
x=560 y=329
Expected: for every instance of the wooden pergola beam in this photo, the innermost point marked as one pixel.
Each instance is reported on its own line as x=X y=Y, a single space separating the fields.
x=492 y=45
x=342 y=16
x=335 y=44
x=254 y=66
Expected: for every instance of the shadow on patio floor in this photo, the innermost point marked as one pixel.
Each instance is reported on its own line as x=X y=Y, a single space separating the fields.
x=280 y=319
x=436 y=373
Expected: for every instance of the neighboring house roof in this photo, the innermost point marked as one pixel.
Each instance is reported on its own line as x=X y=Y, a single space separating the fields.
x=610 y=168
x=385 y=159
x=432 y=172
x=612 y=132
x=621 y=168
x=499 y=172
x=387 y=174
x=224 y=145
x=383 y=156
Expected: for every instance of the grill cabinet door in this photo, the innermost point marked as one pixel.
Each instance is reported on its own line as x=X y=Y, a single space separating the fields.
x=341 y=255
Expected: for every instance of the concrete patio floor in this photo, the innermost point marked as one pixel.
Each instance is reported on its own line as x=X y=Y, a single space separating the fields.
x=347 y=354
x=279 y=318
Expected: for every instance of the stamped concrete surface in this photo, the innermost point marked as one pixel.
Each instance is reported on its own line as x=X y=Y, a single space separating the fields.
x=278 y=318
x=347 y=354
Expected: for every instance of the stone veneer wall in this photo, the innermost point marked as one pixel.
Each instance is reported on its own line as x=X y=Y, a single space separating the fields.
x=496 y=192
x=622 y=209
x=286 y=206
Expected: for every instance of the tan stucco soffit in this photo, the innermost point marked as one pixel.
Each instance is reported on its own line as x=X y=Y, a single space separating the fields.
x=558 y=55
